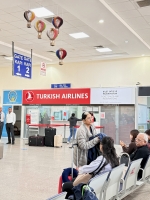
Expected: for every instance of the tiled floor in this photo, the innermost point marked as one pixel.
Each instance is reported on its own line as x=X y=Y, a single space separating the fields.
x=32 y=173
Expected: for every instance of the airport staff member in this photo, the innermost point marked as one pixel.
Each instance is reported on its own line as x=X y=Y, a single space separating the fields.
x=2 y=118
x=10 y=121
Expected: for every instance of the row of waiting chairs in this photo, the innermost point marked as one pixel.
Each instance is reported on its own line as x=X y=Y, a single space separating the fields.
x=118 y=183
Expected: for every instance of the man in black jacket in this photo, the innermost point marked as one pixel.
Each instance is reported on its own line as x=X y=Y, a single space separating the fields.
x=73 y=121
x=142 y=150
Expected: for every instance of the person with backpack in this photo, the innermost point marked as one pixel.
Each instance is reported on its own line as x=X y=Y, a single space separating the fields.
x=102 y=164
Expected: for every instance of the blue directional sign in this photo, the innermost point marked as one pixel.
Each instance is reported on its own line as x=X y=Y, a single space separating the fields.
x=22 y=66
x=61 y=85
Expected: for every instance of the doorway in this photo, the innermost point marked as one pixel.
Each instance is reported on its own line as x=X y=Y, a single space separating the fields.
x=17 y=127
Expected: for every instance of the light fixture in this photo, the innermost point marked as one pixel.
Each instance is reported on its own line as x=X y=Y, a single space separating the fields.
x=42 y=12
x=79 y=35
x=103 y=50
x=143 y=54
x=126 y=41
x=101 y=21
x=8 y=57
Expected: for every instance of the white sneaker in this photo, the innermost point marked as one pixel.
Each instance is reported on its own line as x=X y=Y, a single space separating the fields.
x=67 y=142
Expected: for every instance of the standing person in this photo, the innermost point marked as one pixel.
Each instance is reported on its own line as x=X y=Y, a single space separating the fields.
x=73 y=121
x=84 y=132
x=10 y=121
x=2 y=118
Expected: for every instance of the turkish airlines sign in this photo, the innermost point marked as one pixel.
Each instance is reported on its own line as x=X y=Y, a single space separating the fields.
x=57 y=96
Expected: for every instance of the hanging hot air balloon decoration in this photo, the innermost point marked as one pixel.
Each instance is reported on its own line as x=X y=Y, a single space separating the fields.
x=61 y=54
x=52 y=34
x=39 y=26
x=57 y=22
x=29 y=16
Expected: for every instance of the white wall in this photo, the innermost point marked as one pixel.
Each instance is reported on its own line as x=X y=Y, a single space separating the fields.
x=112 y=73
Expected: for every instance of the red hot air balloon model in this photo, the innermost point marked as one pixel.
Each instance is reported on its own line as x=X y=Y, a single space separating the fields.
x=61 y=54
x=52 y=34
x=57 y=22
x=29 y=16
x=39 y=26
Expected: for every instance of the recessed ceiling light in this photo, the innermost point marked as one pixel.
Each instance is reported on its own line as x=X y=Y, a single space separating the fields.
x=42 y=12
x=126 y=41
x=103 y=50
x=143 y=54
x=8 y=58
x=79 y=35
x=101 y=21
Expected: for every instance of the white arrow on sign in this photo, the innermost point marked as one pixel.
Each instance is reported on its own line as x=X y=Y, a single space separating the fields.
x=18 y=74
x=27 y=75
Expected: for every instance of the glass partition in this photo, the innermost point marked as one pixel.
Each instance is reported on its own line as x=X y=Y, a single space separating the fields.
x=117 y=121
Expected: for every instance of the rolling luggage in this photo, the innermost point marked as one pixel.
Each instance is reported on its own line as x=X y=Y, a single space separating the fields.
x=68 y=173
x=49 y=136
x=36 y=140
x=58 y=141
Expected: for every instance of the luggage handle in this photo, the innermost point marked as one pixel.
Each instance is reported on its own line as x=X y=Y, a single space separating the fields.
x=76 y=144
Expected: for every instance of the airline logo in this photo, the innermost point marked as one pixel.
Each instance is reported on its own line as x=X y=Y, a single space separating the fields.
x=29 y=96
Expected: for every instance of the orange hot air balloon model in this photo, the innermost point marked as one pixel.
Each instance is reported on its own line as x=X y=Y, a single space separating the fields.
x=29 y=16
x=52 y=34
x=61 y=54
x=39 y=26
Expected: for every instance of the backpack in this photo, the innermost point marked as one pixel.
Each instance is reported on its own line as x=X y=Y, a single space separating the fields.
x=84 y=192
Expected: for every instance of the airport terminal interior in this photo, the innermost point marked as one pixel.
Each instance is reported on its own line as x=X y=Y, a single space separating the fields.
x=59 y=57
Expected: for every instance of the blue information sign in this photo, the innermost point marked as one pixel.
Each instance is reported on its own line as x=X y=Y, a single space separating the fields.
x=22 y=66
x=12 y=97
x=61 y=85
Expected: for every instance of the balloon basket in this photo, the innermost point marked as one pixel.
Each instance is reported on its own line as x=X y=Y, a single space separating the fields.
x=60 y=62
x=52 y=43
x=39 y=35
x=28 y=24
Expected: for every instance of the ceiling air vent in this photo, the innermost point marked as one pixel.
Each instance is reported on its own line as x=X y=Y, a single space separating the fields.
x=49 y=19
x=97 y=47
x=143 y=3
x=51 y=51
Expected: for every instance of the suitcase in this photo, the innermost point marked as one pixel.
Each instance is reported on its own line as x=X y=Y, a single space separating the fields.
x=70 y=177
x=58 y=141
x=1 y=151
x=36 y=140
x=49 y=136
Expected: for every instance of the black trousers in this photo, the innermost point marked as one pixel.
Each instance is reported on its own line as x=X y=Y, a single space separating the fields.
x=1 y=128
x=10 y=130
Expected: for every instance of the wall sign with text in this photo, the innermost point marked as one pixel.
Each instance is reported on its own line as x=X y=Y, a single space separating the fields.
x=22 y=66
x=57 y=96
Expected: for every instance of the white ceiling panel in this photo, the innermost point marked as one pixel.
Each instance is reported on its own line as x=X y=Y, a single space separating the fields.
x=129 y=14
x=138 y=23
x=147 y=18
x=145 y=10
x=123 y=6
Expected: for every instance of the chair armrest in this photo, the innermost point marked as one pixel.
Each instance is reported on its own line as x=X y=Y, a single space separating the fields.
x=142 y=174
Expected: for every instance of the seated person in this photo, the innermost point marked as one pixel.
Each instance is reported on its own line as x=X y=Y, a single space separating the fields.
x=142 y=151
x=109 y=158
x=148 y=134
x=132 y=146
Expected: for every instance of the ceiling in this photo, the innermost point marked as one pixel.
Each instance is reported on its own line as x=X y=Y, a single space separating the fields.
x=124 y=20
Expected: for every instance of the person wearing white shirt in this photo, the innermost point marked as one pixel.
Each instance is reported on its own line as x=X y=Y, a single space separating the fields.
x=10 y=121
x=2 y=118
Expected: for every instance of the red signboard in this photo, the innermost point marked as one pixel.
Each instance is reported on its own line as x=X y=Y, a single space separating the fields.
x=28 y=119
x=56 y=96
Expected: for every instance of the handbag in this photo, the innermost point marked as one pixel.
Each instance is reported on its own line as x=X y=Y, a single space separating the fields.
x=84 y=178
